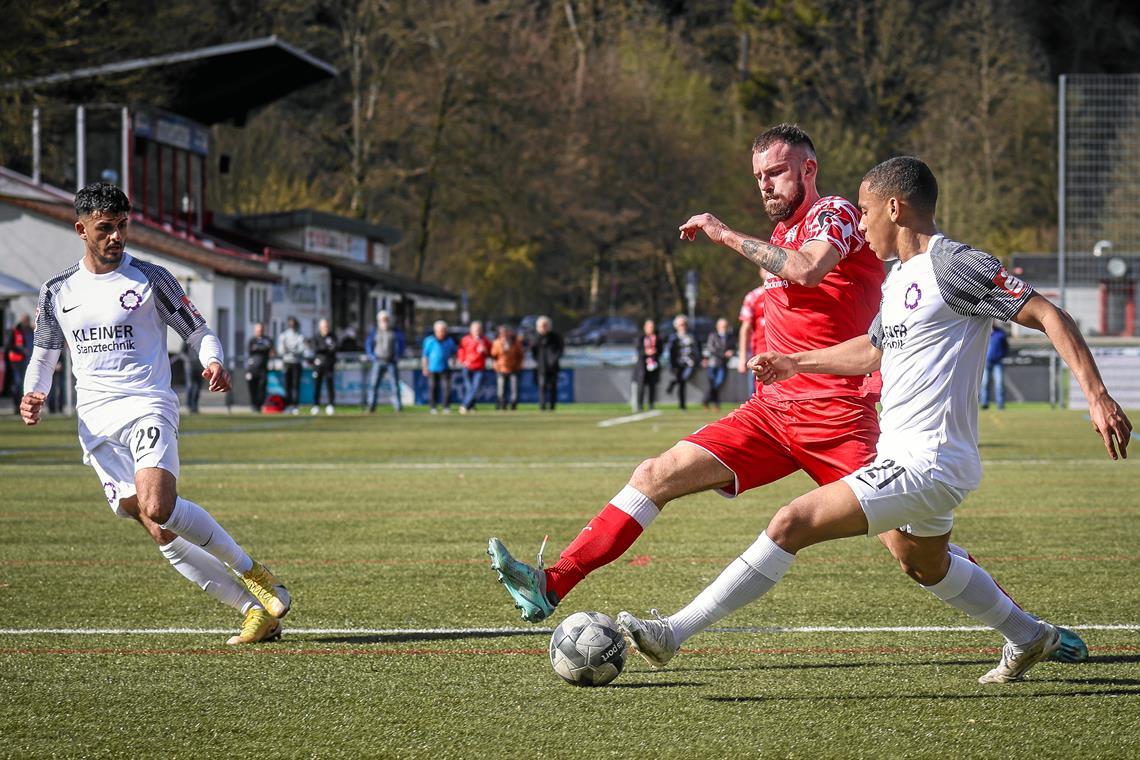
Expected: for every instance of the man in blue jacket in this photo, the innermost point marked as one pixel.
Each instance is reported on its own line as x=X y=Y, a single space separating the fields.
x=438 y=348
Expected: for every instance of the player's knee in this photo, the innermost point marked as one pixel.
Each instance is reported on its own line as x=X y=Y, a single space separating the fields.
x=788 y=527
x=646 y=475
x=155 y=508
x=923 y=570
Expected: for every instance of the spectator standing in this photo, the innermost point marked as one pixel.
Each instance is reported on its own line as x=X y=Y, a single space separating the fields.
x=438 y=348
x=507 y=352
x=18 y=349
x=647 y=369
x=324 y=367
x=193 y=368
x=257 y=356
x=718 y=353
x=547 y=353
x=683 y=357
x=291 y=349
x=55 y=395
x=384 y=346
x=997 y=350
x=474 y=350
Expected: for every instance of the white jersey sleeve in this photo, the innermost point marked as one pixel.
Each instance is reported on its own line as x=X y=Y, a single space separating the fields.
x=171 y=302
x=975 y=284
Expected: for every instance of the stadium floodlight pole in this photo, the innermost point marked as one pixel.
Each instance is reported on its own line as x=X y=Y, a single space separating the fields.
x=125 y=151
x=36 y=145
x=80 y=147
x=1054 y=368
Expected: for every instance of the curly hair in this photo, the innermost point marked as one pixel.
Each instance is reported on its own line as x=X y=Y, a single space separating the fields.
x=101 y=198
x=791 y=135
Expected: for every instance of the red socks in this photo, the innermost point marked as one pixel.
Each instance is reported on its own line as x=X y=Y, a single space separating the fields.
x=601 y=542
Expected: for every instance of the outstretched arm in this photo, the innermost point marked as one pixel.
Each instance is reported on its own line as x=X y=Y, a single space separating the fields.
x=857 y=356
x=1107 y=417
x=807 y=266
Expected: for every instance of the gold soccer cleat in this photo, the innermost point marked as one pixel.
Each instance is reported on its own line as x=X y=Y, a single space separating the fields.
x=267 y=590
x=258 y=625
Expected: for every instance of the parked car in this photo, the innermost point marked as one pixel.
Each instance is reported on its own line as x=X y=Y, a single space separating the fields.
x=597 y=331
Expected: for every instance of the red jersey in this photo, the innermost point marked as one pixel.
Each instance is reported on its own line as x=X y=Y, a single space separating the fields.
x=841 y=307
x=474 y=352
x=752 y=314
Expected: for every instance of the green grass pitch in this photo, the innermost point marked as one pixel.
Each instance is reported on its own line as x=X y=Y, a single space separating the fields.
x=381 y=522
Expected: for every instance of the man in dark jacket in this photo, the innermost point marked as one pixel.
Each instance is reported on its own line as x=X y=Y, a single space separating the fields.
x=324 y=366
x=683 y=357
x=547 y=353
x=718 y=352
x=257 y=366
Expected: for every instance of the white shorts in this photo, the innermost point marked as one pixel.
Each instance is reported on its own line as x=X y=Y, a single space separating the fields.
x=895 y=494
x=150 y=441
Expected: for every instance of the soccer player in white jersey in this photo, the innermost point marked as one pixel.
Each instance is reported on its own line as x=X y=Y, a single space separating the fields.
x=929 y=342
x=112 y=311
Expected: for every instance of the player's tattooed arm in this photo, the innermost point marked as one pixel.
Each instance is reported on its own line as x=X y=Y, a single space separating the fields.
x=771 y=257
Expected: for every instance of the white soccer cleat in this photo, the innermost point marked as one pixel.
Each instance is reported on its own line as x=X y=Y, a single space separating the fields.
x=330 y=410
x=315 y=410
x=652 y=639
x=1014 y=663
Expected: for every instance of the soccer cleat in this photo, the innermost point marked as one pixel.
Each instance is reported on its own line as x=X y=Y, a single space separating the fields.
x=1073 y=648
x=267 y=590
x=526 y=584
x=258 y=625
x=1014 y=664
x=652 y=639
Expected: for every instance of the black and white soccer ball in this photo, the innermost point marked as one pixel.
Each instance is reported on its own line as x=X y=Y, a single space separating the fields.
x=587 y=649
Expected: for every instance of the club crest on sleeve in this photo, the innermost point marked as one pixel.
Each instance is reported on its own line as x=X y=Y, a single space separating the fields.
x=1009 y=283
x=130 y=300
x=912 y=296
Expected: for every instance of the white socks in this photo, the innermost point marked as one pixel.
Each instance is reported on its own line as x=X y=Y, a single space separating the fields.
x=203 y=569
x=748 y=578
x=195 y=524
x=969 y=588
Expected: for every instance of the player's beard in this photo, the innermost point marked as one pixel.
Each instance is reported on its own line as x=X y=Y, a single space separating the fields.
x=779 y=209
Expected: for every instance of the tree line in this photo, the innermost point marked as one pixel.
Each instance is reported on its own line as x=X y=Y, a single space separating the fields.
x=540 y=154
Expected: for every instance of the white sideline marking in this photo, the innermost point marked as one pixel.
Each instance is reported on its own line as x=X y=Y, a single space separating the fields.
x=493 y=631
x=477 y=464
x=630 y=418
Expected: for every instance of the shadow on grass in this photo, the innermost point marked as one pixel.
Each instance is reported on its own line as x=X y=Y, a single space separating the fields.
x=831 y=665
x=988 y=694
x=400 y=638
x=654 y=685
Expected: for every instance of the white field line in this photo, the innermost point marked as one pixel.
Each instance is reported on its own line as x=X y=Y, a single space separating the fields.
x=472 y=464
x=630 y=418
x=509 y=631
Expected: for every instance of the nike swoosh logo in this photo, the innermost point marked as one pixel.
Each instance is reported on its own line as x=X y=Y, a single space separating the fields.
x=73 y=308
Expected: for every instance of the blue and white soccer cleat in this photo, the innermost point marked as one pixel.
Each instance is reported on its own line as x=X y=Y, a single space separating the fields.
x=526 y=584
x=1073 y=648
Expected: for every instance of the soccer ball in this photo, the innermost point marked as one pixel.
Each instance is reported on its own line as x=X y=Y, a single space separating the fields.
x=587 y=649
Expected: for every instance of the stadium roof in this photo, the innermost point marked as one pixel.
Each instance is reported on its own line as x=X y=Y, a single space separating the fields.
x=383 y=278
x=230 y=263
x=291 y=220
x=210 y=85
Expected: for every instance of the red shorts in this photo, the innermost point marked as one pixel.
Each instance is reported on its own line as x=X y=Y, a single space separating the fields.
x=764 y=440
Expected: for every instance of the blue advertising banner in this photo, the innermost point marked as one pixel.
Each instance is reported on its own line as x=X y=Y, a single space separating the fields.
x=528 y=387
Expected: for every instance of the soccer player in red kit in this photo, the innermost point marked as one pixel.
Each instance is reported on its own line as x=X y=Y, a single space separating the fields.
x=824 y=288
x=751 y=325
